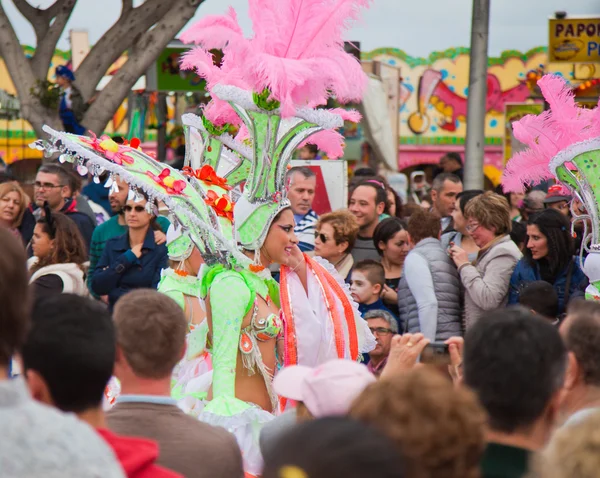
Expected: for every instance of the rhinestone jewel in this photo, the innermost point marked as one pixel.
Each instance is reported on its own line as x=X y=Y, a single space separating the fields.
x=245 y=343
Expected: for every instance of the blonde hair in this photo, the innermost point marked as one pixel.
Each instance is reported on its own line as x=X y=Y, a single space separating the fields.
x=439 y=429
x=574 y=450
x=491 y=211
x=10 y=187
x=345 y=227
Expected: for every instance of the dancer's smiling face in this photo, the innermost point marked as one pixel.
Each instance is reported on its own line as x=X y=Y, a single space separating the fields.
x=281 y=241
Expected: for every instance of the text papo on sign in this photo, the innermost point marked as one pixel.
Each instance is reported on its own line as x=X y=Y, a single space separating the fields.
x=574 y=40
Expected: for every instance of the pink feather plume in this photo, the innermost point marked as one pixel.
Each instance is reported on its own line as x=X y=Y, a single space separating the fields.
x=296 y=51
x=549 y=133
x=329 y=141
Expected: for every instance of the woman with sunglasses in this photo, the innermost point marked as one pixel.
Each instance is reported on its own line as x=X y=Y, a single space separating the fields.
x=133 y=260
x=335 y=235
x=486 y=281
x=59 y=255
x=549 y=258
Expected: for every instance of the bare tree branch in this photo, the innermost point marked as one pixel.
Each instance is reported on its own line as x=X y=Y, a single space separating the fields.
x=127 y=7
x=22 y=75
x=148 y=47
x=46 y=46
x=118 y=39
x=35 y=16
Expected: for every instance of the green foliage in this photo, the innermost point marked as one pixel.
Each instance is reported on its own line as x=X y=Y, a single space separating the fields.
x=47 y=93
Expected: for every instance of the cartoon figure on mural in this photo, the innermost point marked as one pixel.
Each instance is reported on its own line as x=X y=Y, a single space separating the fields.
x=433 y=90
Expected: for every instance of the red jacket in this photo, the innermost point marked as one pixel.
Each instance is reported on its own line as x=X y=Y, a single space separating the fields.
x=136 y=455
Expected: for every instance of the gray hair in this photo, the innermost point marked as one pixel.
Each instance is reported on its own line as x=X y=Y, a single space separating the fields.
x=440 y=179
x=304 y=170
x=385 y=315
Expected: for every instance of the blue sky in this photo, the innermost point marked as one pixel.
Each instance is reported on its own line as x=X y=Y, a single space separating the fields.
x=418 y=27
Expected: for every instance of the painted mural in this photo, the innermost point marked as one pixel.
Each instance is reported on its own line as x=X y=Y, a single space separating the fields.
x=434 y=94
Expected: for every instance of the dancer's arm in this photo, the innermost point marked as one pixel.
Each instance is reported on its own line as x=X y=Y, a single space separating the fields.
x=229 y=297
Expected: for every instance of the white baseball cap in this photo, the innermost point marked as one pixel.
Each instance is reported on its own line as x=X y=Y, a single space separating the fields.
x=326 y=390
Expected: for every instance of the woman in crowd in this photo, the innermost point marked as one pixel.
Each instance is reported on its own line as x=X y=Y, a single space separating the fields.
x=13 y=202
x=437 y=428
x=394 y=203
x=429 y=290
x=515 y=200
x=459 y=236
x=392 y=243
x=549 y=257
x=133 y=260
x=486 y=281
x=59 y=256
x=334 y=238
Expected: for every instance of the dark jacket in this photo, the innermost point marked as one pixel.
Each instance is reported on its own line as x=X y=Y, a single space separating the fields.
x=84 y=223
x=120 y=271
x=525 y=273
x=99 y=194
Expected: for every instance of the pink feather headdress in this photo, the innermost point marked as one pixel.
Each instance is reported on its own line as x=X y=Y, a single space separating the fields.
x=296 y=53
x=549 y=133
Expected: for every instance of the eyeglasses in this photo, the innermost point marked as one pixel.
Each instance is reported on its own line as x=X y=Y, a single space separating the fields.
x=380 y=331
x=39 y=185
x=471 y=228
x=129 y=208
x=322 y=237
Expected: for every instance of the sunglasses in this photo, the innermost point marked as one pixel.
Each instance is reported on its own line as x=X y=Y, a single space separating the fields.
x=322 y=237
x=129 y=208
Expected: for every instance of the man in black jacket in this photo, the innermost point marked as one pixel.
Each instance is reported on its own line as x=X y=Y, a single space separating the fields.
x=52 y=185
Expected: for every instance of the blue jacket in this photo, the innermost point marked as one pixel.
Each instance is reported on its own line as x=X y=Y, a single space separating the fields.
x=120 y=271
x=525 y=273
x=99 y=194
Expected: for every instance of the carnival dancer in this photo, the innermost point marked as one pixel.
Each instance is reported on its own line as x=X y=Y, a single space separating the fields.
x=192 y=377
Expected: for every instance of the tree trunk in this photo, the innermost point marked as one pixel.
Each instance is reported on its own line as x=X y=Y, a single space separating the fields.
x=134 y=26
x=147 y=47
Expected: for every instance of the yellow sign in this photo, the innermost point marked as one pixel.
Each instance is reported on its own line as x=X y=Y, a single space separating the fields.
x=574 y=40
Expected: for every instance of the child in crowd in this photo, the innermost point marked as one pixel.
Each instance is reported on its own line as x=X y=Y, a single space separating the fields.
x=366 y=285
x=541 y=298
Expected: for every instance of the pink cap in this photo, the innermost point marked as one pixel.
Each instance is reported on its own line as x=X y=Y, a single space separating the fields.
x=326 y=390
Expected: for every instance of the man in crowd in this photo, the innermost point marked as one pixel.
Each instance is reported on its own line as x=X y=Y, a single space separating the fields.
x=37 y=440
x=532 y=203
x=301 y=193
x=444 y=190
x=68 y=359
x=452 y=163
x=116 y=227
x=558 y=198
x=367 y=203
x=383 y=326
x=151 y=330
x=515 y=362
x=581 y=333
x=53 y=184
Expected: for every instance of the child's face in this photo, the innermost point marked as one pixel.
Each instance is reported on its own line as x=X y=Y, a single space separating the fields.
x=362 y=290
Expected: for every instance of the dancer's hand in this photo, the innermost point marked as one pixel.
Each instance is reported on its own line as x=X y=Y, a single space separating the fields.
x=296 y=260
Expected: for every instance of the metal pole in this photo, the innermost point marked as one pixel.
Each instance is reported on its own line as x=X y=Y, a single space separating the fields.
x=476 y=101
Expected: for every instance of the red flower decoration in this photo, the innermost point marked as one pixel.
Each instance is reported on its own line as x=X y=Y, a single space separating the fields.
x=208 y=175
x=222 y=205
x=171 y=185
x=108 y=148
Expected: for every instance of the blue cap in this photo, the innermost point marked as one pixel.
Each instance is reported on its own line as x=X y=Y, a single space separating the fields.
x=65 y=72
